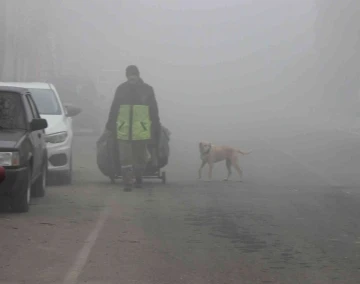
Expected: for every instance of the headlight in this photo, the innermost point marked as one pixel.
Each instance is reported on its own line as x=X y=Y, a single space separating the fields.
x=56 y=138
x=9 y=159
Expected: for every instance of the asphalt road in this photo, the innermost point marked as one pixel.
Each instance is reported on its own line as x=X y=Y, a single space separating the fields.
x=294 y=219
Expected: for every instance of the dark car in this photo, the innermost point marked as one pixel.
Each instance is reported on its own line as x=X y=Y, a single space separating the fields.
x=23 y=151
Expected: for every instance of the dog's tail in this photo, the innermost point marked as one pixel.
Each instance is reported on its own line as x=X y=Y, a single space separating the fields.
x=243 y=153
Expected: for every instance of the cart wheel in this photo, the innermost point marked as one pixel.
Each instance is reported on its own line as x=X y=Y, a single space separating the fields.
x=163 y=177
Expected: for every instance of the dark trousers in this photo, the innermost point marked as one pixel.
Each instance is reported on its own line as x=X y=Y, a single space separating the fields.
x=134 y=157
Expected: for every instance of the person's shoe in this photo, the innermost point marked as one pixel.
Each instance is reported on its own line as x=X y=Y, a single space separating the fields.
x=128 y=179
x=128 y=187
x=138 y=182
x=128 y=184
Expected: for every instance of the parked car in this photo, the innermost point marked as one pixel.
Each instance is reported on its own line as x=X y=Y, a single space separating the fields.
x=59 y=134
x=23 y=152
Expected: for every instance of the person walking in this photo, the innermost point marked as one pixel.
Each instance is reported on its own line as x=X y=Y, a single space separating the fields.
x=134 y=119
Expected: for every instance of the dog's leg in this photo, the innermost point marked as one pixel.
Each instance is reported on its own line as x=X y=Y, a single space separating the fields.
x=201 y=167
x=211 y=165
x=228 y=166
x=237 y=167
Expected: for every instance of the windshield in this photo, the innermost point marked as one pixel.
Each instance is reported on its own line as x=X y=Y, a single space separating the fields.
x=11 y=111
x=46 y=101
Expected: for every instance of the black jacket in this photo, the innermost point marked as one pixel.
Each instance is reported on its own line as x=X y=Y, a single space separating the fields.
x=131 y=93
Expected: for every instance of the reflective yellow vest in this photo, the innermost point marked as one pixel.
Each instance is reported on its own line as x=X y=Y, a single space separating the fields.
x=133 y=122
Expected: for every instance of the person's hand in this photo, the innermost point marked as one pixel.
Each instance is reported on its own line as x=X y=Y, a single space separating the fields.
x=107 y=132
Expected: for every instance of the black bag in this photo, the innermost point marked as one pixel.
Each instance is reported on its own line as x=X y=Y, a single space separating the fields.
x=164 y=149
x=105 y=155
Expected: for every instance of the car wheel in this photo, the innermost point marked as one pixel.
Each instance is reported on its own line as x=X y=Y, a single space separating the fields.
x=163 y=177
x=21 y=201
x=38 y=189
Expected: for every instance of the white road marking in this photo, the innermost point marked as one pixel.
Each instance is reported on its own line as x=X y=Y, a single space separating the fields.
x=83 y=255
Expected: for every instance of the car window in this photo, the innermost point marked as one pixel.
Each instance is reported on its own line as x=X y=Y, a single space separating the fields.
x=32 y=112
x=33 y=107
x=12 y=115
x=46 y=101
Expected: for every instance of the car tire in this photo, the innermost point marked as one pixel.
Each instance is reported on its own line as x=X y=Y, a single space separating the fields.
x=39 y=187
x=21 y=201
x=163 y=177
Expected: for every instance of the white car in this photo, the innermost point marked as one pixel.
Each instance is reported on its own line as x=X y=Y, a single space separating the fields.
x=59 y=133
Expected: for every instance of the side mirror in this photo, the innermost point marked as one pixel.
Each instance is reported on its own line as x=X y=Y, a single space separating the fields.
x=72 y=110
x=38 y=124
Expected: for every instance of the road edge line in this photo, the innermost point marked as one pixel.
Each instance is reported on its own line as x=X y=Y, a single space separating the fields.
x=76 y=269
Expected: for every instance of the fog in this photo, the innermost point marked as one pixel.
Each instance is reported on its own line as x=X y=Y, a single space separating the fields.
x=273 y=83
x=220 y=69
x=215 y=62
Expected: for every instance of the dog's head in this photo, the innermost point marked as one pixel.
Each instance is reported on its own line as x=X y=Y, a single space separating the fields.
x=204 y=147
